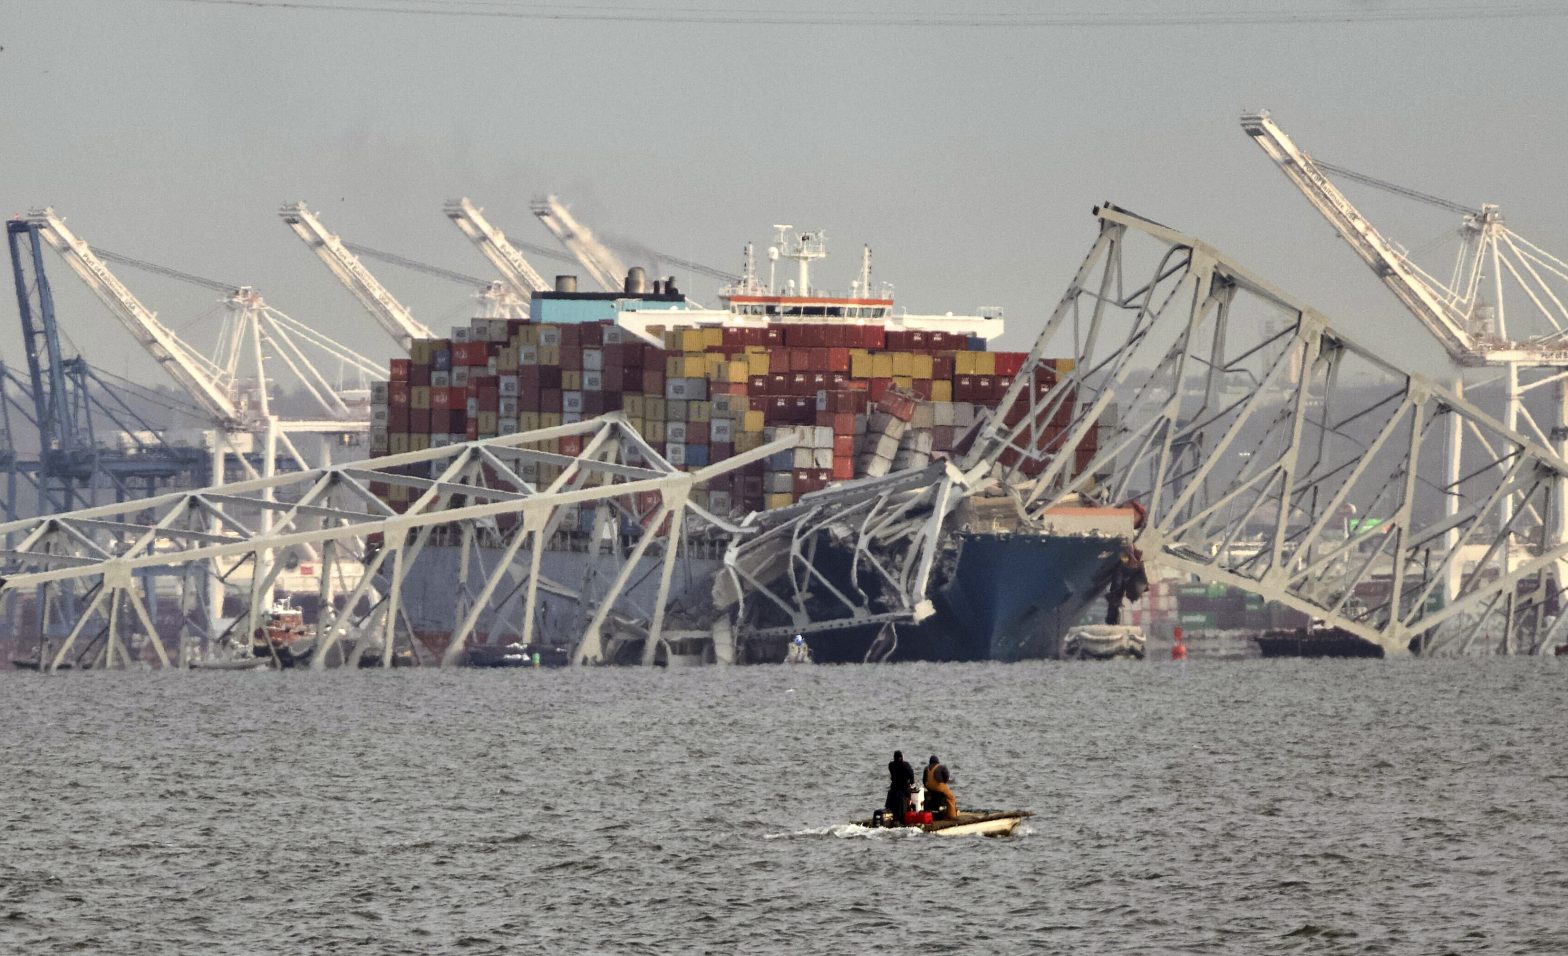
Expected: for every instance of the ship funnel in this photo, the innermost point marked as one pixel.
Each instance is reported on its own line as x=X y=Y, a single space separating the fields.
x=636 y=281
x=566 y=283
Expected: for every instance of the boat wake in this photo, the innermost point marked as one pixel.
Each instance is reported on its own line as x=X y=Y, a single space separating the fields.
x=847 y=831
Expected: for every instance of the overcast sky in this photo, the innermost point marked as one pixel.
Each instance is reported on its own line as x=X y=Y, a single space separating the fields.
x=969 y=157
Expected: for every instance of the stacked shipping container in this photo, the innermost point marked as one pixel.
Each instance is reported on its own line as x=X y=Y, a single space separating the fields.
x=859 y=399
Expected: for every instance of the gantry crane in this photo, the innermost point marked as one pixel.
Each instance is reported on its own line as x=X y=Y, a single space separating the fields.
x=1467 y=313
x=598 y=261
x=523 y=278
x=388 y=312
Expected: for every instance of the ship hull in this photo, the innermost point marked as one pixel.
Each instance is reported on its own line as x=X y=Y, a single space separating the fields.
x=1010 y=597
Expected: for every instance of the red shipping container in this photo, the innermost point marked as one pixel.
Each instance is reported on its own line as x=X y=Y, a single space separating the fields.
x=942 y=367
x=571 y=445
x=772 y=335
x=472 y=431
x=801 y=479
x=571 y=358
x=879 y=387
x=1008 y=363
x=652 y=357
x=697 y=433
x=593 y=404
x=777 y=411
x=803 y=409
x=632 y=379
x=800 y=384
x=399 y=369
x=799 y=359
x=438 y=399
x=734 y=337
x=844 y=423
x=397 y=394
x=549 y=400
x=419 y=375
x=571 y=336
x=824 y=419
x=844 y=446
x=922 y=388
x=614 y=376
x=917 y=341
x=897 y=340
x=720 y=450
x=653 y=381
x=591 y=334
x=397 y=418
x=873 y=337
x=820 y=357
x=757 y=384
x=964 y=388
x=843 y=467
x=457 y=421
x=838 y=360
x=419 y=421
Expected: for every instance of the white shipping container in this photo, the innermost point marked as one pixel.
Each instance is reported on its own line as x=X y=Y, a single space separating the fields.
x=924 y=416
x=572 y=402
x=593 y=381
x=460 y=377
x=509 y=386
x=506 y=426
x=462 y=334
x=508 y=406
x=593 y=360
x=942 y=414
x=721 y=430
x=806 y=458
x=822 y=458
x=675 y=432
x=440 y=379
x=674 y=452
x=378 y=392
x=822 y=437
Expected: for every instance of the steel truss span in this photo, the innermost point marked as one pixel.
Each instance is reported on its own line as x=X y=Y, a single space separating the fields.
x=98 y=573
x=1275 y=453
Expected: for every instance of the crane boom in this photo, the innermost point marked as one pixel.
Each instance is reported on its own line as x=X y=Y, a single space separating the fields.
x=1447 y=323
x=522 y=277
x=388 y=312
x=599 y=262
x=186 y=367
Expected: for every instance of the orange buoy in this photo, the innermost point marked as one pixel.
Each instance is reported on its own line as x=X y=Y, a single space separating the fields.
x=1178 y=650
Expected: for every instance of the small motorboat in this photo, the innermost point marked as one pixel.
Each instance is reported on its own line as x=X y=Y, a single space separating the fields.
x=994 y=823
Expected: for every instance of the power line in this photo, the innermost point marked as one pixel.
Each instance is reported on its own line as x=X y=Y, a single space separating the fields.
x=566 y=12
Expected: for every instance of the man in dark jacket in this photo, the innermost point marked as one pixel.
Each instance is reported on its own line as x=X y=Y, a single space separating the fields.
x=902 y=785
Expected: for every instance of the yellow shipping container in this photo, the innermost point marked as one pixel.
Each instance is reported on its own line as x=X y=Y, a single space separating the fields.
x=904 y=382
x=752 y=422
x=527 y=335
x=941 y=391
x=756 y=363
x=549 y=355
x=634 y=405
x=882 y=365
x=654 y=408
x=636 y=422
x=922 y=362
x=1066 y=365
x=673 y=367
x=397 y=444
x=487 y=423
x=738 y=370
x=985 y=363
x=571 y=381
x=715 y=366
x=549 y=419
x=860 y=364
x=419 y=396
x=528 y=421
x=699 y=411
x=654 y=430
x=692 y=340
x=903 y=364
x=419 y=352
x=418 y=442
x=506 y=359
x=964 y=363
x=712 y=335
x=747 y=441
x=694 y=365
x=775 y=502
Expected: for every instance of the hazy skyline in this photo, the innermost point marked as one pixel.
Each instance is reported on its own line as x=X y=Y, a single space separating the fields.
x=967 y=156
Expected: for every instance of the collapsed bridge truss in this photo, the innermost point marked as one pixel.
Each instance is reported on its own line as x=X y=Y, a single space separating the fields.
x=101 y=571
x=1275 y=453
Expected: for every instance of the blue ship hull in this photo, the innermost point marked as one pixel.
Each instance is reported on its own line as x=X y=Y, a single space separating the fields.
x=1009 y=597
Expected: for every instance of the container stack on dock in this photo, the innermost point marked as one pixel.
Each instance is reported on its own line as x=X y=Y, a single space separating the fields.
x=860 y=399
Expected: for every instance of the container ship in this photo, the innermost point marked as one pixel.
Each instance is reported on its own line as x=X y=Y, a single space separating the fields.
x=864 y=389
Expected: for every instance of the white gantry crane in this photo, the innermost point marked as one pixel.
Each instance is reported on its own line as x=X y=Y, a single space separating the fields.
x=518 y=274
x=1469 y=311
x=232 y=387
x=388 y=312
x=601 y=264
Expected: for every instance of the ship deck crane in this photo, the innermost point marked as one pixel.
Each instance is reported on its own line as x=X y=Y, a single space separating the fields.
x=602 y=265
x=522 y=277
x=388 y=312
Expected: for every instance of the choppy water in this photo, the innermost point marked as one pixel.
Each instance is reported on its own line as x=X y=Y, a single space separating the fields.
x=1232 y=807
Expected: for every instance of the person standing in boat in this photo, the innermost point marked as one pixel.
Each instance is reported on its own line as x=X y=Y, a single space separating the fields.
x=937 y=781
x=901 y=786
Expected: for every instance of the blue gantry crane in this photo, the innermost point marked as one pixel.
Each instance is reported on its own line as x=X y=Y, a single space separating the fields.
x=71 y=400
